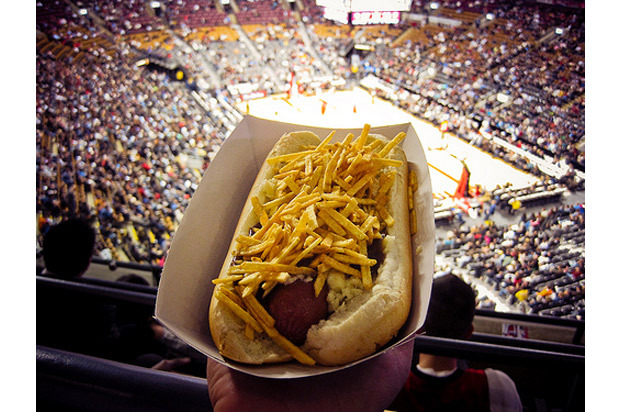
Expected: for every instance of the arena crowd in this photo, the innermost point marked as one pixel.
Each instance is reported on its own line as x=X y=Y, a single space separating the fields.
x=125 y=145
x=537 y=264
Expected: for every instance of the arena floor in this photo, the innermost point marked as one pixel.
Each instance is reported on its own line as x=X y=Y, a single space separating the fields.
x=356 y=107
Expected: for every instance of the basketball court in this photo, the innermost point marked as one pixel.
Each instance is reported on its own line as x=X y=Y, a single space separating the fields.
x=352 y=109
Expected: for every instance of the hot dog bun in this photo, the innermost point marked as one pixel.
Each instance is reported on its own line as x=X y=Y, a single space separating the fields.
x=355 y=329
x=226 y=328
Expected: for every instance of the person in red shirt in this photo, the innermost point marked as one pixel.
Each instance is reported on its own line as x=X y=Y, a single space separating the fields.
x=437 y=383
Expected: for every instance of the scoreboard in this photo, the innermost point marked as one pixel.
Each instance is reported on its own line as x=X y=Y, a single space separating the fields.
x=364 y=11
x=375 y=17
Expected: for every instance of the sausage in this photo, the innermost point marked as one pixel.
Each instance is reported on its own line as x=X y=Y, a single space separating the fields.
x=295 y=309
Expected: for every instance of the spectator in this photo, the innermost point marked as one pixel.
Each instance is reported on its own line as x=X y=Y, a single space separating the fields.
x=145 y=342
x=68 y=248
x=65 y=321
x=440 y=383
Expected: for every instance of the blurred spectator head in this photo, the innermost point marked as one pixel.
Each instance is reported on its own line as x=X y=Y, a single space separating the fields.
x=451 y=308
x=68 y=247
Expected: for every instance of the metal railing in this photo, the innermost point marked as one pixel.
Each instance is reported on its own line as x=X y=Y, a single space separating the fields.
x=71 y=381
x=76 y=381
x=113 y=264
x=146 y=295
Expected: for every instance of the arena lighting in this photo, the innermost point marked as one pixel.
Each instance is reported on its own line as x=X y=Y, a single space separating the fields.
x=83 y=12
x=336 y=15
x=378 y=6
x=362 y=47
x=434 y=5
x=558 y=31
x=155 y=4
x=365 y=5
x=490 y=16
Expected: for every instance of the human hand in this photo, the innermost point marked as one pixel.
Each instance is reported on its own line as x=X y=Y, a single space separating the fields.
x=369 y=386
x=157 y=330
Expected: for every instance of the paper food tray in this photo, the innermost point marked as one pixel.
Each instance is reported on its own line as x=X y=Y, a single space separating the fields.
x=201 y=242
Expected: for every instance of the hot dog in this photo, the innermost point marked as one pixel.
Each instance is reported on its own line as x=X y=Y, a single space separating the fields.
x=320 y=266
